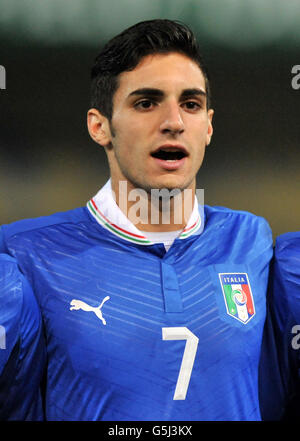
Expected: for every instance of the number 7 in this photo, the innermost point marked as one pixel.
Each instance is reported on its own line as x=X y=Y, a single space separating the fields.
x=183 y=333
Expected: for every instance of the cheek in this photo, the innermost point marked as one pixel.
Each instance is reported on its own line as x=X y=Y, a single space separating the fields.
x=124 y=149
x=127 y=136
x=199 y=157
x=130 y=144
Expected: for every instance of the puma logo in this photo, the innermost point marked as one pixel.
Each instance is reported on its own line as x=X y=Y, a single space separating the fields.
x=79 y=304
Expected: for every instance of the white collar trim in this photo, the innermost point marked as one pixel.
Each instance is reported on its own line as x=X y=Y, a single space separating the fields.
x=107 y=213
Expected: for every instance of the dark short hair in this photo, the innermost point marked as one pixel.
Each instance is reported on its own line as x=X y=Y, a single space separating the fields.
x=124 y=52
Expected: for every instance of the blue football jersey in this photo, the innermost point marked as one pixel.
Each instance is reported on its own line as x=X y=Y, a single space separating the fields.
x=137 y=333
x=22 y=350
x=280 y=386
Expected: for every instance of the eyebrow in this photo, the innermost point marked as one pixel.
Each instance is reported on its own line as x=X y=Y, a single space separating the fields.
x=148 y=91
x=193 y=92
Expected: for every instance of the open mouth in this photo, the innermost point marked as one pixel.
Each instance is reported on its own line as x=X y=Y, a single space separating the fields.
x=166 y=154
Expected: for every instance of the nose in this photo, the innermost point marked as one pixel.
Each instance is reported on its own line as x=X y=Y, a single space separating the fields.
x=172 y=119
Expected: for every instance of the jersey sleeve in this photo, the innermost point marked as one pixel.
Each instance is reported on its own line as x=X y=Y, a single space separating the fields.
x=22 y=350
x=280 y=360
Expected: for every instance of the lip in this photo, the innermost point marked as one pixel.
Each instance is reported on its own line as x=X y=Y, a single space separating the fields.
x=170 y=165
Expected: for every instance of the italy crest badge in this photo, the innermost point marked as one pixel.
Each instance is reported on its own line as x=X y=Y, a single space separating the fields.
x=238 y=296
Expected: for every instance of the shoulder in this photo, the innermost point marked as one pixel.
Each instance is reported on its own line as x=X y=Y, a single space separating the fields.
x=11 y=289
x=11 y=311
x=244 y=221
x=286 y=284
x=288 y=244
x=237 y=235
x=229 y=213
x=22 y=361
x=16 y=296
x=10 y=277
x=8 y=265
x=287 y=257
x=71 y=217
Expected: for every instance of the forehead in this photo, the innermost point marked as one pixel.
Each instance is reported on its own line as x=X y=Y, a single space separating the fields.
x=162 y=71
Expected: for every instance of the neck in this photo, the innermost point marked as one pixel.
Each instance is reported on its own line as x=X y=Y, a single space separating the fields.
x=158 y=211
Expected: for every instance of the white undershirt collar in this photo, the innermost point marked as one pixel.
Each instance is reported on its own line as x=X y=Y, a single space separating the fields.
x=107 y=213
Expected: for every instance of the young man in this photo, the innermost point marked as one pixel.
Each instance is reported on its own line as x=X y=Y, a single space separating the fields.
x=22 y=350
x=148 y=319
x=280 y=386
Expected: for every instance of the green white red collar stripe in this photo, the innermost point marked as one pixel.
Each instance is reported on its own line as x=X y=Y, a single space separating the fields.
x=137 y=238
x=188 y=231
x=113 y=219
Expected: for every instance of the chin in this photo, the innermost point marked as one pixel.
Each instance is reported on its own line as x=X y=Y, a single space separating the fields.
x=173 y=183
x=163 y=182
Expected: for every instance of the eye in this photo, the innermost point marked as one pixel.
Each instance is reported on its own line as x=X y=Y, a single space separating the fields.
x=192 y=105
x=144 y=104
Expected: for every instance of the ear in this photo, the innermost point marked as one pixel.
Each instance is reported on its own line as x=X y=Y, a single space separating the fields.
x=210 y=129
x=98 y=127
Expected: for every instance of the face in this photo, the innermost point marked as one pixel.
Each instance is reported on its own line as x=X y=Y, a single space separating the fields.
x=160 y=124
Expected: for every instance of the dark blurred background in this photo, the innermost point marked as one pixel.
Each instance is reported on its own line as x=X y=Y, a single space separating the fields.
x=48 y=162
